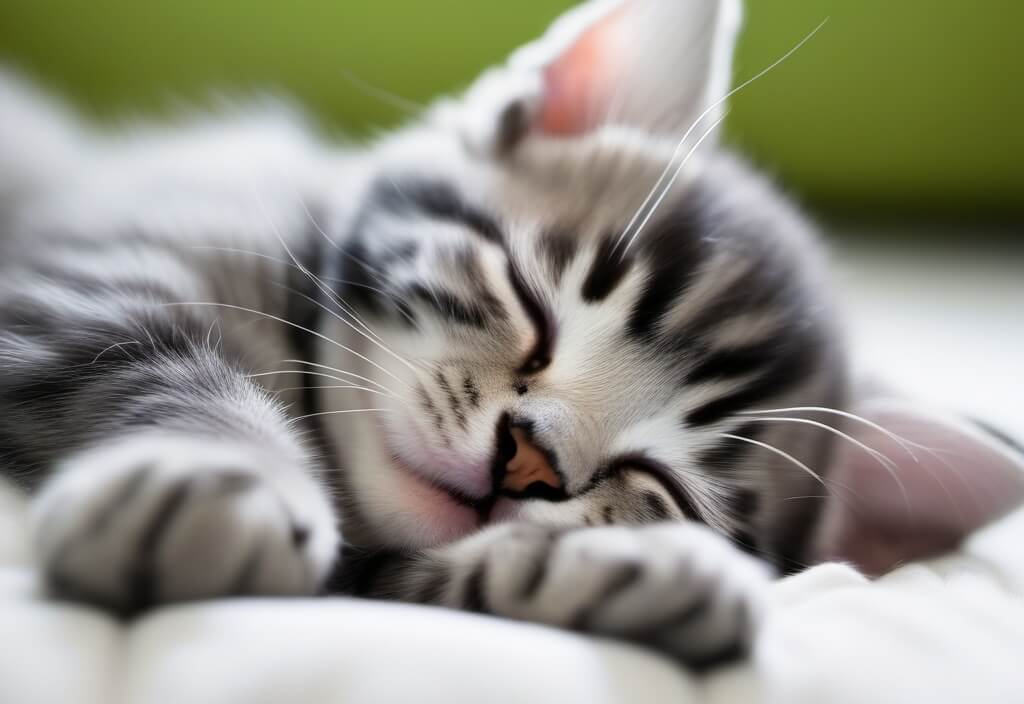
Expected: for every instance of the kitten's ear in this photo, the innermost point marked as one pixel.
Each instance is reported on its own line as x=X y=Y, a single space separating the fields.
x=946 y=478
x=654 y=65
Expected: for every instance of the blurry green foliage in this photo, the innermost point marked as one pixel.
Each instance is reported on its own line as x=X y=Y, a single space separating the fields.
x=911 y=106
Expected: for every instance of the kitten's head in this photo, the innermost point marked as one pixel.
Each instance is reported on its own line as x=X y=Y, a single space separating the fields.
x=552 y=332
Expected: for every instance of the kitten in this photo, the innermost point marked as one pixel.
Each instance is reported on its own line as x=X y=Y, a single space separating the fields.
x=514 y=355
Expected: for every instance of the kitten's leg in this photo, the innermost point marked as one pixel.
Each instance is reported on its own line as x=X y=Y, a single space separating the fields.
x=675 y=586
x=160 y=471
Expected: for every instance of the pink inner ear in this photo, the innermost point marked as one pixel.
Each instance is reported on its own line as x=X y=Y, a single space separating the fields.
x=578 y=85
x=952 y=479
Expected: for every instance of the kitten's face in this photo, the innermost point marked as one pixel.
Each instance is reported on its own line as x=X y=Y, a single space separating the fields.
x=536 y=351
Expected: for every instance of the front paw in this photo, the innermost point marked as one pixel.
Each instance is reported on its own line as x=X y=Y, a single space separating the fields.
x=677 y=587
x=158 y=519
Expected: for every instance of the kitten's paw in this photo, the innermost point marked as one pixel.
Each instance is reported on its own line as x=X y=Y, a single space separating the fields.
x=677 y=587
x=158 y=519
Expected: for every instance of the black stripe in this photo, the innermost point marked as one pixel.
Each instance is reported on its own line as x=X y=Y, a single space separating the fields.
x=242 y=584
x=453 y=400
x=665 y=477
x=657 y=509
x=544 y=325
x=428 y=405
x=143 y=577
x=745 y=504
x=433 y=586
x=472 y=392
x=125 y=493
x=557 y=248
x=730 y=363
x=474 y=598
x=674 y=251
x=436 y=199
x=607 y=271
x=366 y=573
x=622 y=578
x=448 y=306
x=727 y=452
x=786 y=373
x=538 y=569
x=999 y=435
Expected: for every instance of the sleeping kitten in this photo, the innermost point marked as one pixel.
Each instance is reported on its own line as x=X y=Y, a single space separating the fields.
x=515 y=353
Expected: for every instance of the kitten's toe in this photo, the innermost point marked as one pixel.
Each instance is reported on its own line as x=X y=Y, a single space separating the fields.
x=160 y=519
x=676 y=587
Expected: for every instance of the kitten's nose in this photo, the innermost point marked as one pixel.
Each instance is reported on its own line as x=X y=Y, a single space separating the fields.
x=529 y=471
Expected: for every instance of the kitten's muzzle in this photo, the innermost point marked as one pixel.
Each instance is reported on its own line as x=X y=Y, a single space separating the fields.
x=524 y=468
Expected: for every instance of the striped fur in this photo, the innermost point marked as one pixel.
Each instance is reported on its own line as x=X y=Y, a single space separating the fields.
x=461 y=278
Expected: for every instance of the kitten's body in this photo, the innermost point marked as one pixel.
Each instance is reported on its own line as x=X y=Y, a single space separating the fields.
x=470 y=288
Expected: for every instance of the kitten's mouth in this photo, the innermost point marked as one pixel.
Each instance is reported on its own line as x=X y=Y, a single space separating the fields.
x=519 y=470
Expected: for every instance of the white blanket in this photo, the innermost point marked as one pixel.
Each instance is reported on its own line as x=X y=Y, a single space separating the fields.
x=950 y=630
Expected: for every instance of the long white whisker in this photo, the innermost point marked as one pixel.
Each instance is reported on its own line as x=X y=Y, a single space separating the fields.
x=777 y=451
x=711 y=108
x=336 y=299
x=338 y=371
x=386 y=393
x=385 y=96
x=672 y=181
x=882 y=460
x=901 y=441
x=376 y=342
x=349 y=410
x=294 y=325
x=324 y=289
x=333 y=387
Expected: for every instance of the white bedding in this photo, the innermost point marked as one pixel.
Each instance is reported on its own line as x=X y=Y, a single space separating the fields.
x=950 y=630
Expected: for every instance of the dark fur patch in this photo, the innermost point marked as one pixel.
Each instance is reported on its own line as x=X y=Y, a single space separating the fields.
x=453 y=401
x=142 y=578
x=727 y=452
x=472 y=392
x=538 y=570
x=622 y=578
x=673 y=250
x=437 y=199
x=785 y=373
x=544 y=325
x=657 y=509
x=607 y=271
x=557 y=248
x=474 y=596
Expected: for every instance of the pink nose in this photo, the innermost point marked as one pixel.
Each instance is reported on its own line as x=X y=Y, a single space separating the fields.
x=528 y=465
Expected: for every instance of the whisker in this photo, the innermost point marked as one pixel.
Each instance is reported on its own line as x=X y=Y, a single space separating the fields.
x=376 y=342
x=385 y=96
x=882 y=460
x=338 y=371
x=291 y=324
x=348 y=410
x=905 y=443
x=336 y=299
x=777 y=451
x=672 y=181
x=387 y=393
x=711 y=108
x=375 y=289
x=323 y=288
x=332 y=387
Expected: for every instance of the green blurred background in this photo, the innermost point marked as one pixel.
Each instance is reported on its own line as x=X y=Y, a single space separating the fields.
x=910 y=108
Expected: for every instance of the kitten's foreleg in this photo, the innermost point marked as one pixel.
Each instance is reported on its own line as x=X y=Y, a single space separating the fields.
x=675 y=586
